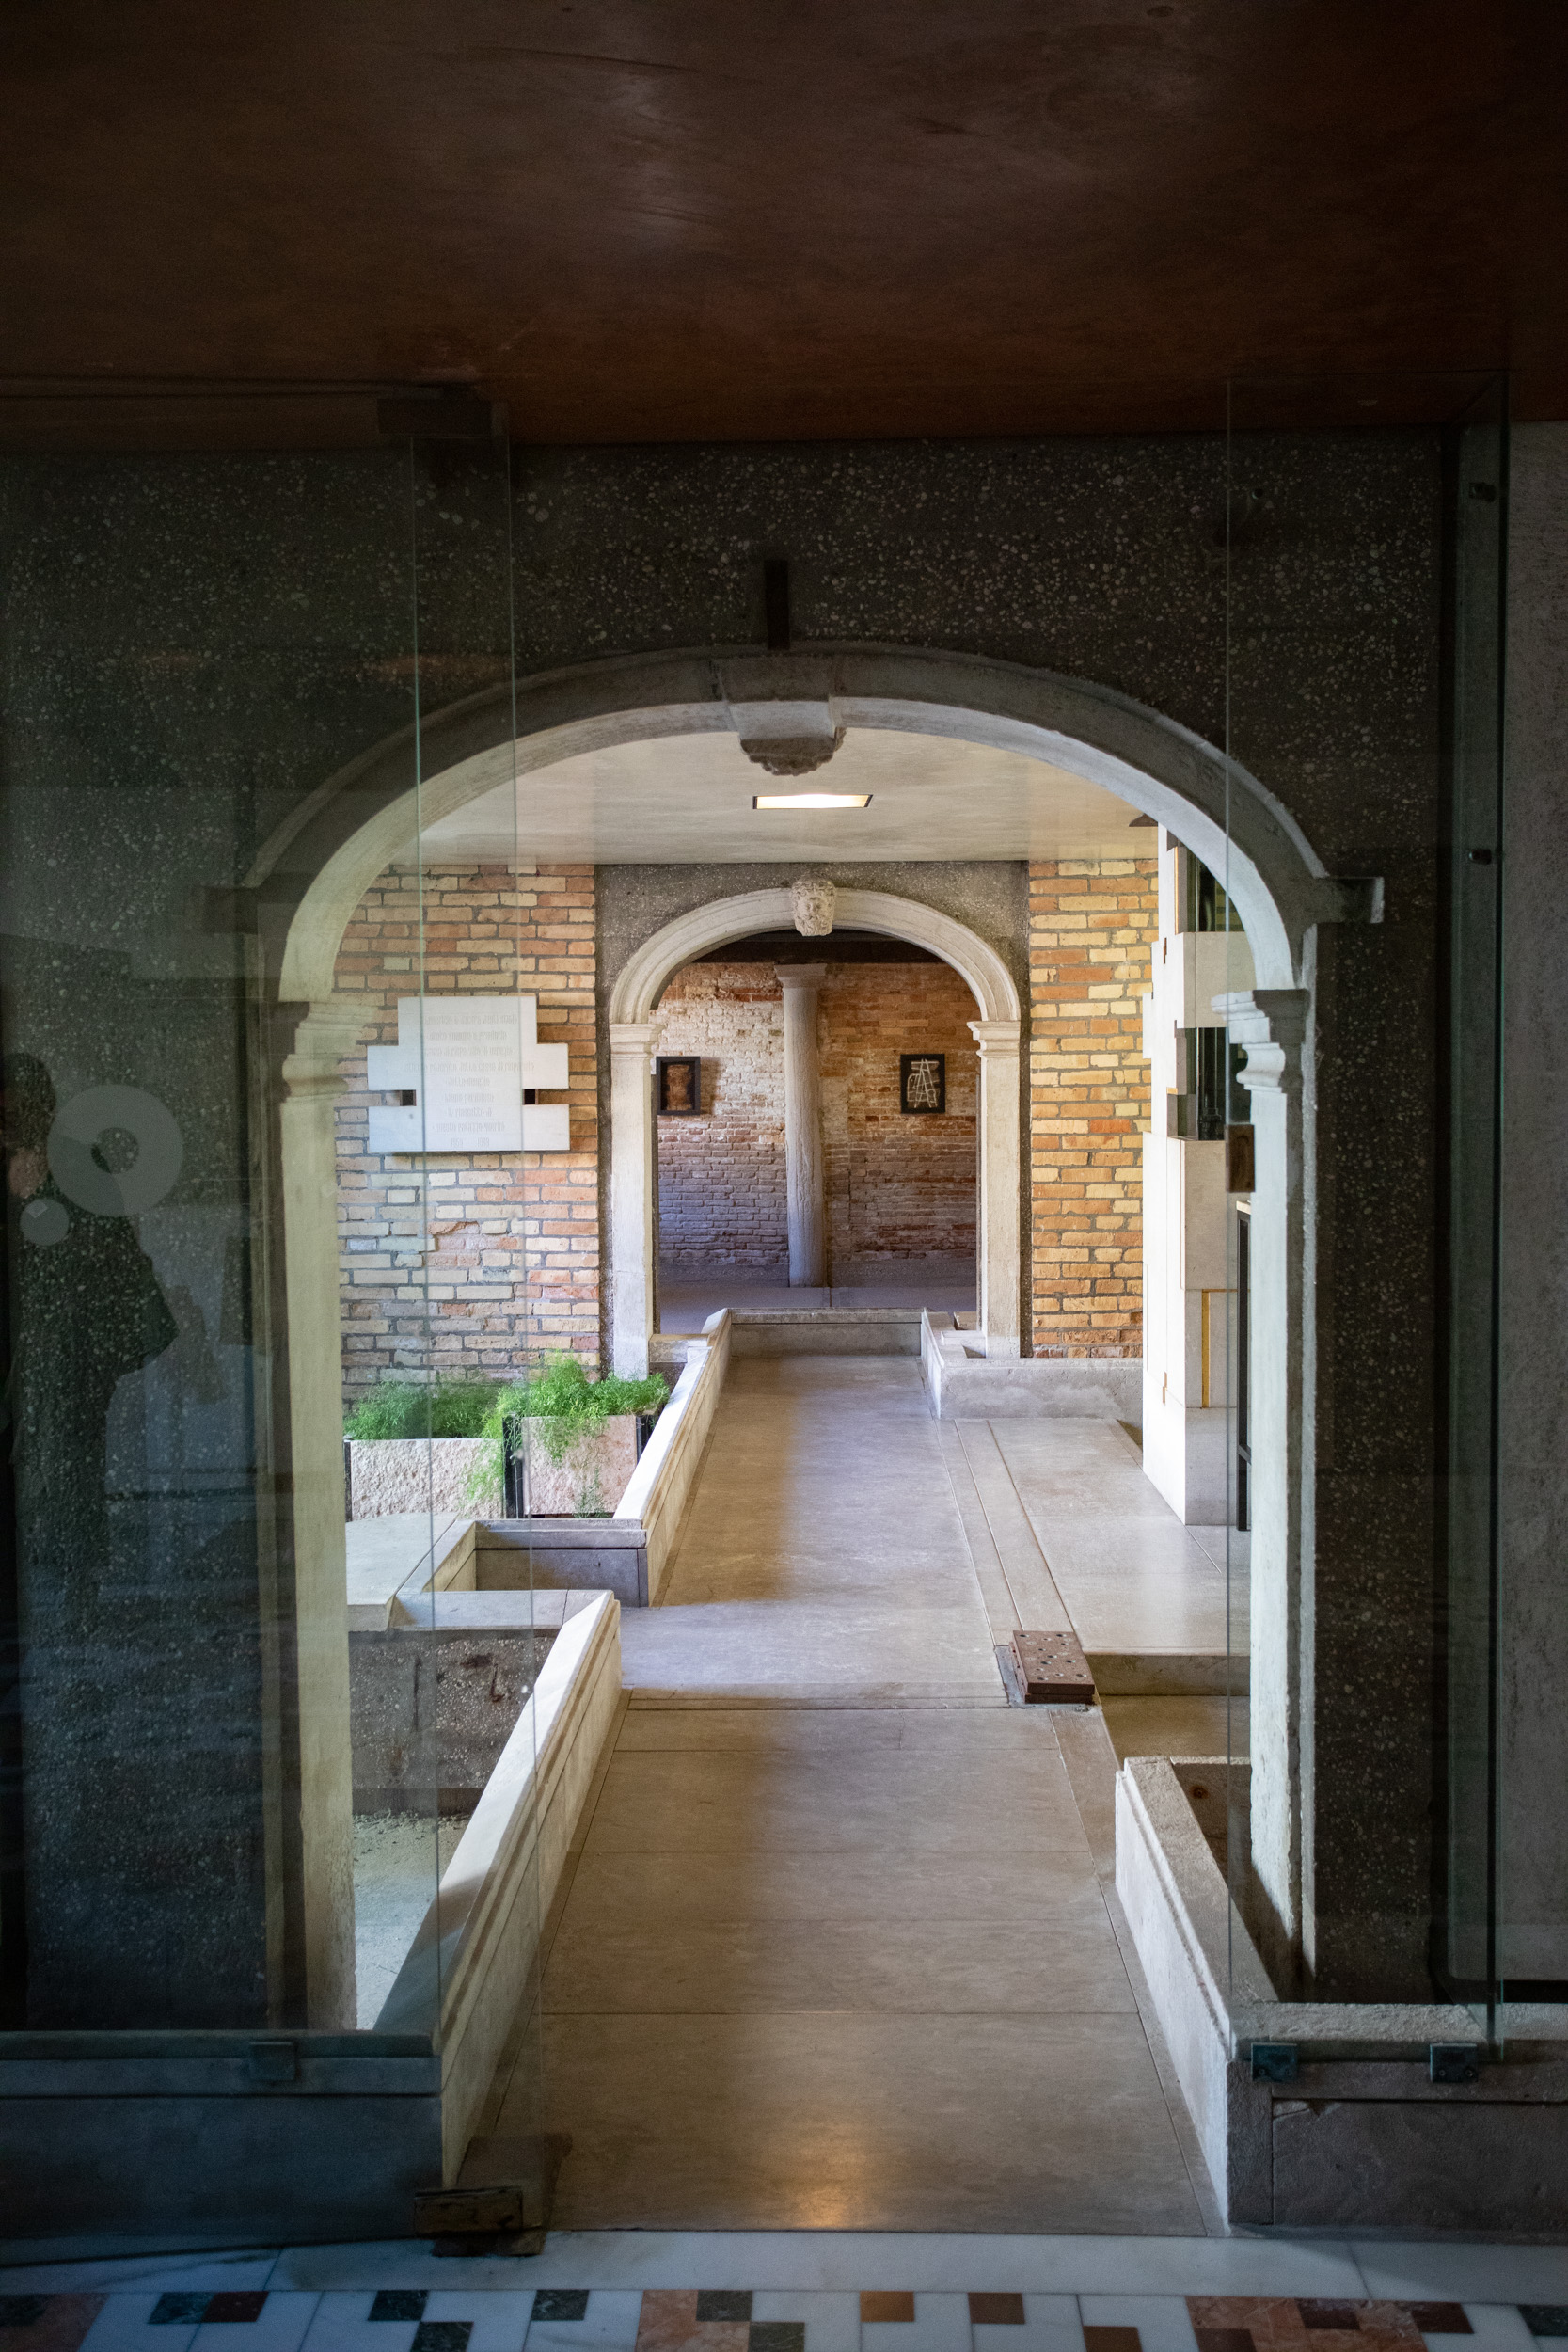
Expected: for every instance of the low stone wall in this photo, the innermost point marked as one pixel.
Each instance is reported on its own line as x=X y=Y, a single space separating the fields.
x=966 y=1385
x=475 y=1960
x=1359 y=2136
x=661 y=1485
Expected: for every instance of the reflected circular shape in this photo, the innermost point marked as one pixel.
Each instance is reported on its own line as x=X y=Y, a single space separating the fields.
x=44 y=1221
x=94 y=1118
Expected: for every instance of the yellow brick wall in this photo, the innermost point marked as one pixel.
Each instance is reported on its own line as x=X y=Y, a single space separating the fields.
x=470 y=1261
x=1091 y=927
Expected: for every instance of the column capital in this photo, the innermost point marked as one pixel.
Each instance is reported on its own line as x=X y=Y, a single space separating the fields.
x=632 y=1037
x=802 y=975
x=327 y=1032
x=996 y=1037
x=1271 y=1023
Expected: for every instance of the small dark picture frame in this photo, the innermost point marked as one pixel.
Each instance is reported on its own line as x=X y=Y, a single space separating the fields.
x=922 y=1083
x=680 y=1086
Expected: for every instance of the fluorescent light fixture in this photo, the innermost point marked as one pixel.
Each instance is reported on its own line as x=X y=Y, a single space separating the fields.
x=811 y=800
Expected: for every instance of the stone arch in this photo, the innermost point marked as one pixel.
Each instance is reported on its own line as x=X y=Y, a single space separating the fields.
x=633 y=1030
x=310 y=874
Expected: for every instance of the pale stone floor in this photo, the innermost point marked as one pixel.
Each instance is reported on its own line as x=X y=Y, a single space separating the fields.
x=841 y=1950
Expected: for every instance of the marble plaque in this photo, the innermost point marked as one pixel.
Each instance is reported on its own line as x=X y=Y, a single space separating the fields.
x=465 y=1061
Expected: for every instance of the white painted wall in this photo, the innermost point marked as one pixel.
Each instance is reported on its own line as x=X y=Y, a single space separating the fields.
x=1186 y=1276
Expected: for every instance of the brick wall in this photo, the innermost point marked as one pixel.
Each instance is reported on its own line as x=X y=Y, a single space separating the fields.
x=1091 y=926
x=897 y=1186
x=509 y=1241
x=722 y=1176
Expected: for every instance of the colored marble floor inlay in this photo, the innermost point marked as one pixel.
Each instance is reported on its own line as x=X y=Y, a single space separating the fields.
x=731 y=2319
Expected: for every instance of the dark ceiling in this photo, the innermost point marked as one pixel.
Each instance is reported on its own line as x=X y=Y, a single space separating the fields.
x=688 y=219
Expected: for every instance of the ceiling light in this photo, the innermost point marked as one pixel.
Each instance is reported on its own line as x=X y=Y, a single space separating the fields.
x=811 y=800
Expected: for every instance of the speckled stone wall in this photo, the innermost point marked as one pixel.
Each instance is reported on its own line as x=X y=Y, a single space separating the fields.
x=193 y=644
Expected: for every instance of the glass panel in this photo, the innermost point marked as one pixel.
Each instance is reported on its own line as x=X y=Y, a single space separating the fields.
x=258 y=1174
x=191 y=650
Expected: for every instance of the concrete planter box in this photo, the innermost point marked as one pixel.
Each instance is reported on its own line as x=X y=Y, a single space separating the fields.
x=391 y=1474
x=589 y=1480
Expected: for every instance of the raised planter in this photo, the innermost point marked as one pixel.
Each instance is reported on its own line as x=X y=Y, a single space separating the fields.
x=587 y=1482
x=391 y=1474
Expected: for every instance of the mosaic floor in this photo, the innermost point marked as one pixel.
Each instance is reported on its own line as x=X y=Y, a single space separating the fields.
x=200 y=2316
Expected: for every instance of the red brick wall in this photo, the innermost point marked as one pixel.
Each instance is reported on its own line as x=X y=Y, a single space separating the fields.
x=509 y=1242
x=722 y=1176
x=897 y=1186
x=1091 y=927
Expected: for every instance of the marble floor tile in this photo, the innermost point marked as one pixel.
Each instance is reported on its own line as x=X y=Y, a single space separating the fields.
x=1050 y=2325
x=45 y=2323
x=342 y=2322
x=1494 y=2328
x=125 y=2324
x=841 y=1731
x=1162 y=2320
x=863 y=2120
x=1099 y=1544
x=609 y=2323
x=831 y=2322
x=693 y=1803
x=280 y=2325
x=1136 y=1610
x=662 y=1890
x=1069 y=1960
x=940 y=2324
x=497 y=2322
x=1441 y=2273
x=1053 y=1492
x=249 y=2266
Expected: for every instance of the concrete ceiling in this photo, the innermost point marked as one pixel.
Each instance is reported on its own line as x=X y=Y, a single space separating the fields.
x=687 y=800
x=732 y=219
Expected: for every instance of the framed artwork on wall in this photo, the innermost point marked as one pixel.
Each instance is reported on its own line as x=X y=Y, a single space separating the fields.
x=922 y=1083
x=680 y=1086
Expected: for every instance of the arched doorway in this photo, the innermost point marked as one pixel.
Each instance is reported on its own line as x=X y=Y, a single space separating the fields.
x=309 y=878
x=633 y=1031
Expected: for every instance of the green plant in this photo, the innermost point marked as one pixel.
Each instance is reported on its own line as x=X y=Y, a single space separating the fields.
x=449 y=1408
x=569 y=1407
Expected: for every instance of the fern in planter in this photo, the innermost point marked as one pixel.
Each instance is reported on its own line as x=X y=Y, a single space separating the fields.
x=568 y=1409
x=453 y=1407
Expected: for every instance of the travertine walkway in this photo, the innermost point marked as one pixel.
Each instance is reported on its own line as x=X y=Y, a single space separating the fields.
x=841 y=1949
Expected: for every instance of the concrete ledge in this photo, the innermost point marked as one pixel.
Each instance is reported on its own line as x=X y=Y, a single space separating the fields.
x=475 y=1962
x=164 y=2142
x=828 y=1331
x=1170 y=1674
x=966 y=1384
x=660 y=1488
x=1362 y=2137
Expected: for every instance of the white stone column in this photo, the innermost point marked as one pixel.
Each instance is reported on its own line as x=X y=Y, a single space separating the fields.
x=806 y=1189
x=319 y=1703
x=1271 y=1022
x=631 y=1194
x=996 y=1240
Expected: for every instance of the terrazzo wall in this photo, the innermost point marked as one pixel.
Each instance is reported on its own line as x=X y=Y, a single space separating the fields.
x=194 y=645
